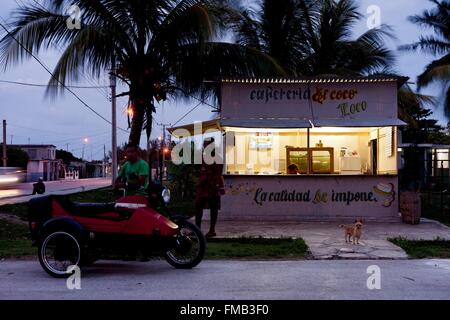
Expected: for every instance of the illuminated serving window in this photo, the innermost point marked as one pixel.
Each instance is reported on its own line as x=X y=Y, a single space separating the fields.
x=327 y=150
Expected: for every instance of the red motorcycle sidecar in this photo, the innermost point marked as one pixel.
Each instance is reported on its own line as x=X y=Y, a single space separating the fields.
x=71 y=234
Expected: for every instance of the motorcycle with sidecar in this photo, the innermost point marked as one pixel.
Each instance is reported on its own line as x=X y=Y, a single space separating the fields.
x=70 y=234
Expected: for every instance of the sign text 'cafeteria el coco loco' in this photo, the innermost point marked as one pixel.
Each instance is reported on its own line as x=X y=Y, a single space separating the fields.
x=319 y=101
x=320 y=96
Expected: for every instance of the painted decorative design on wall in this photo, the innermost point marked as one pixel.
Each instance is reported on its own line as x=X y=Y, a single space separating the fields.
x=241 y=188
x=387 y=192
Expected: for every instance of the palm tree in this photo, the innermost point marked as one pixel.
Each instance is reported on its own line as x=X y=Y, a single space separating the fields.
x=312 y=37
x=161 y=48
x=410 y=103
x=437 y=19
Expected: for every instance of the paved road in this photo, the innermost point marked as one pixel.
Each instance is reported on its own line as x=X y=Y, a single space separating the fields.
x=311 y=279
x=22 y=192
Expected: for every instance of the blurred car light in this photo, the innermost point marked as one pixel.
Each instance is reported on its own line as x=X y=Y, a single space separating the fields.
x=9 y=179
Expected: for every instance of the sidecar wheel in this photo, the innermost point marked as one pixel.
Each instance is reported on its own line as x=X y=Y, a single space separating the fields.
x=189 y=248
x=58 y=251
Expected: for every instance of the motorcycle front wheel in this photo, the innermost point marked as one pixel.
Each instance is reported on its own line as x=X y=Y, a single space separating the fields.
x=189 y=247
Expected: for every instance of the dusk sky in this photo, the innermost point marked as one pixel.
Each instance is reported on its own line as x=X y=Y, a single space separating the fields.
x=66 y=121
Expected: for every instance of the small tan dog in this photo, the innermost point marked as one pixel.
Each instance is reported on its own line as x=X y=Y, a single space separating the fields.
x=353 y=231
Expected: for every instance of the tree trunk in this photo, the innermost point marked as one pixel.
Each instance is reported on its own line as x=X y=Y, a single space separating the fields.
x=141 y=97
x=136 y=125
x=147 y=145
x=149 y=124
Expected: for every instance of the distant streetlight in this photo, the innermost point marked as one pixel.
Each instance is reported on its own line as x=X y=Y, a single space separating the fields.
x=85 y=141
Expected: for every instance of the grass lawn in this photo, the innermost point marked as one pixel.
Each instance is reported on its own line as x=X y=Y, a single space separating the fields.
x=99 y=195
x=17 y=249
x=420 y=249
x=20 y=210
x=14 y=240
x=256 y=248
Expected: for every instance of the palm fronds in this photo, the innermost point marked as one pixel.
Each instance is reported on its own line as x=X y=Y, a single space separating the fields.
x=311 y=37
x=157 y=44
x=437 y=19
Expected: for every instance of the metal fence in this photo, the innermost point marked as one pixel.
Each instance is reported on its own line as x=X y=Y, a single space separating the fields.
x=425 y=169
x=435 y=203
x=437 y=170
x=432 y=178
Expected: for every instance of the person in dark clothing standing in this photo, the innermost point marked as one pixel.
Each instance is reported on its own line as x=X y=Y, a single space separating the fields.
x=208 y=192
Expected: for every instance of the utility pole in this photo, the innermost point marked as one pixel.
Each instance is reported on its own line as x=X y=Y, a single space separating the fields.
x=113 y=83
x=149 y=157
x=104 y=161
x=67 y=147
x=5 y=156
x=162 y=148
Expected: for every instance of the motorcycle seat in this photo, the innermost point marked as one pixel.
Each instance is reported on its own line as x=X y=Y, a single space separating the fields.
x=93 y=209
x=89 y=210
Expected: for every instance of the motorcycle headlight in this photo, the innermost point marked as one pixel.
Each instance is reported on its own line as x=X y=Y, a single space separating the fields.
x=166 y=195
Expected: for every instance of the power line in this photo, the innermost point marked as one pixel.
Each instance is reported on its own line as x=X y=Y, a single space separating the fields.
x=70 y=137
x=62 y=142
x=204 y=102
x=54 y=77
x=80 y=87
x=198 y=99
x=103 y=92
x=192 y=96
x=43 y=130
x=46 y=85
x=190 y=111
x=78 y=138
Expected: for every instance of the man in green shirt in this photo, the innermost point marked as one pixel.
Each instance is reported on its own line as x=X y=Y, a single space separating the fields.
x=134 y=173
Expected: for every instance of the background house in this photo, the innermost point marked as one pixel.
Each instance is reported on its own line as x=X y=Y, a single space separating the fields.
x=42 y=162
x=74 y=168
